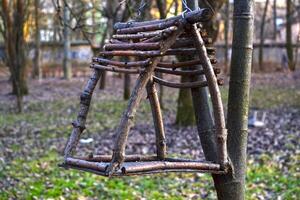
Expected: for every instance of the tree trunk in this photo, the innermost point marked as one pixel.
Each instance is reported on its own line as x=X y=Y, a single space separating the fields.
x=185 y=101
x=110 y=13
x=127 y=82
x=226 y=31
x=289 y=35
x=37 y=71
x=67 y=45
x=262 y=37
x=232 y=186
x=13 y=20
x=184 y=116
x=162 y=8
x=275 y=19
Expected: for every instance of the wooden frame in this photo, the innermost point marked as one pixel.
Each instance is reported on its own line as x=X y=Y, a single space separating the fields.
x=152 y=40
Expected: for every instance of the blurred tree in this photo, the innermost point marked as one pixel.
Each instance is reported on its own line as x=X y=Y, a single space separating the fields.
x=37 y=70
x=262 y=37
x=13 y=15
x=226 y=32
x=163 y=11
x=275 y=19
x=289 y=36
x=67 y=66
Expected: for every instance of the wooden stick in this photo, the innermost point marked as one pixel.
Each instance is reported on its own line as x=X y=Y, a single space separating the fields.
x=103 y=61
x=116 y=69
x=149 y=54
x=146 y=54
x=144 y=35
x=132 y=158
x=115 y=41
x=215 y=96
x=195 y=84
x=133 y=46
x=128 y=158
x=184 y=72
x=192 y=17
x=185 y=40
x=189 y=51
x=148 y=167
x=165 y=165
x=79 y=124
x=90 y=165
x=136 y=95
x=161 y=147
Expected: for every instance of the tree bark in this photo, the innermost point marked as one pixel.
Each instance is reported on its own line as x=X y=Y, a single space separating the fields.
x=232 y=186
x=13 y=17
x=127 y=81
x=289 y=36
x=37 y=70
x=226 y=32
x=162 y=8
x=185 y=101
x=110 y=12
x=67 y=45
x=262 y=37
x=275 y=19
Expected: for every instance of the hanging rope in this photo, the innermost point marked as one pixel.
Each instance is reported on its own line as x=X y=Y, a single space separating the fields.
x=141 y=8
x=186 y=7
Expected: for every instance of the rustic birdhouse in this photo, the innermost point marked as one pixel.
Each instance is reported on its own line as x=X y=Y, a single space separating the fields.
x=148 y=42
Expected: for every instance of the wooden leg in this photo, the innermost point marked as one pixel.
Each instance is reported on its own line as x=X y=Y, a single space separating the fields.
x=214 y=91
x=79 y=123
x=157 y=120
x=127 y=120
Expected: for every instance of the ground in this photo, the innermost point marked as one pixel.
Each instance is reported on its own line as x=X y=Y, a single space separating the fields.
x=31 y=143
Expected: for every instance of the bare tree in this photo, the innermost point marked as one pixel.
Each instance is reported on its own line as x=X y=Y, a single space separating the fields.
x=289 y=41
x=13 y=18
x=262 y=37
x=37 y=70
x=275 y=19
x=67 y=66
x=226 y=33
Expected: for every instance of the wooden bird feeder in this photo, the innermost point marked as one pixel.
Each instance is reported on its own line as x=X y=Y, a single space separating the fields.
x=148 y=42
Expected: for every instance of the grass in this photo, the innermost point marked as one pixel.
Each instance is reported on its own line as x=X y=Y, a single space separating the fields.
x=268 y=97
x=36 y=175
x=42 y=179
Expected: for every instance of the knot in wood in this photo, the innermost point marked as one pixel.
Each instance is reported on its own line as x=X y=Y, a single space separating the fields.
x=76 y=124
x=85 y=98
